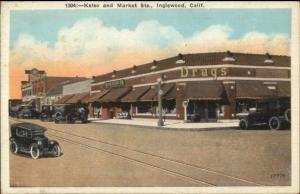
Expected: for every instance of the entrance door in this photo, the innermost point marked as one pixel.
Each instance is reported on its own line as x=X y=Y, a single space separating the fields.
x=202 y=111
x=211 y=111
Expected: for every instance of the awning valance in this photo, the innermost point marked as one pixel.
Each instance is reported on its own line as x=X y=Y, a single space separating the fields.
x=135 y=94
x=204 y=90
x=114 y=95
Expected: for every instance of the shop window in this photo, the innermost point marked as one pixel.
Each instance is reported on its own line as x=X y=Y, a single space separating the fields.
x=169 y=107
x=144 y=108
x=244 y=106
x=97 y=111
x=221 y=110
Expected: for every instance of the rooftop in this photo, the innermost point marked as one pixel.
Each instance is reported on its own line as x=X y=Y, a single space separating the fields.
x=198 y=59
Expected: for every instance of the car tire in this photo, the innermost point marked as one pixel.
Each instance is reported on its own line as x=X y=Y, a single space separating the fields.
x=14 y=147
x=274 y=123
x=34 y=151
x=244 y=124
x=56 y=150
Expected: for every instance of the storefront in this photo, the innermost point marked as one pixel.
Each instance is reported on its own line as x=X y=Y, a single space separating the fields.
x=203 y=87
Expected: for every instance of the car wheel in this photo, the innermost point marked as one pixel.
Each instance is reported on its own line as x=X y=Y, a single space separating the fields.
x=14 y=147
x=244 y=124
x=274 y=123
x=56 y=151
x=34 y=151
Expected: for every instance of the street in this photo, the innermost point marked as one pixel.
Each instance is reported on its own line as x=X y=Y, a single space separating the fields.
x=109 y=155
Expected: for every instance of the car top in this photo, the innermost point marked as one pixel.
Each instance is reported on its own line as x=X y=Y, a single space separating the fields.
x=29 y=126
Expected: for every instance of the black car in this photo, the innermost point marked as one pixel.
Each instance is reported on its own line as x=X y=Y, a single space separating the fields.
x=13 y=112
x=276 y=114
x=70 y=113
x=47 y=113
x=30 y=138
x=27 y=113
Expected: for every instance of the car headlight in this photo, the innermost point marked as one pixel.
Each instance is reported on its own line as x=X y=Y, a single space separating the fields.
x=39 y=142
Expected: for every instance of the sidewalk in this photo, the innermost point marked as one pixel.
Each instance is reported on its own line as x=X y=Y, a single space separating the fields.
x=171 y=124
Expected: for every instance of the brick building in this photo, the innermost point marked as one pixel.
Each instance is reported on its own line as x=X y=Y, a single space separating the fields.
x=211 y=86
x=35 y=89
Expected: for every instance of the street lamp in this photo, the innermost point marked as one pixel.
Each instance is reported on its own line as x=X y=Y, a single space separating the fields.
x=160 y=92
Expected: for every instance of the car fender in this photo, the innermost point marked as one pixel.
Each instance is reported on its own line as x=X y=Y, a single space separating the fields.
x=52 y=143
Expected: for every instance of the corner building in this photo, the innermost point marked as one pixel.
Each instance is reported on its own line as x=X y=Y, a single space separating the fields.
x=199 y=87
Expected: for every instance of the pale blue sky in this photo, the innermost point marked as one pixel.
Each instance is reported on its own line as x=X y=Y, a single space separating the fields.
x=45 y=24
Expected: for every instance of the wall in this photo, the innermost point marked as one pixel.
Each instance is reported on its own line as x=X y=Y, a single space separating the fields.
x=77 y=87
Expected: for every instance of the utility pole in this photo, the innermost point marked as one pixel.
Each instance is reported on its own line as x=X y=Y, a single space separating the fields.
x=160 y=92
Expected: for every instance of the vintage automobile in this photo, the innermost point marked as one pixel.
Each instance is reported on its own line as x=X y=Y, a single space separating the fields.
x=13 y=112
x=27 y=112
x=47 y=113
x=70 y=113
x=30 y=138
x=276 y=114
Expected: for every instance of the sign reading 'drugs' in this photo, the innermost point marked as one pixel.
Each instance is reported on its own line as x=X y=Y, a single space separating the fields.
x=114 y=84
x=203 y=72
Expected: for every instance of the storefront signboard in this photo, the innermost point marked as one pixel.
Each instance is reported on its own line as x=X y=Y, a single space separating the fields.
x=114 y=84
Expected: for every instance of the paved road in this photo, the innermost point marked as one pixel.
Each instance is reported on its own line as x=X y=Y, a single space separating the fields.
x=110 y=155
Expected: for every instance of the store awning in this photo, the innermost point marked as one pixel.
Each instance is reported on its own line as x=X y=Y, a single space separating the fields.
x=96 y=96
x=152 y=94
x=64 y=99
x=76 y=98
x=284 y=89
x=204 y=90
x=135 y=94
x=115 y=94
x=254 y=90
x=171 y=94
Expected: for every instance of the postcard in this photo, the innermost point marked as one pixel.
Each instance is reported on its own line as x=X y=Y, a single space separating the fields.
x=149 y=97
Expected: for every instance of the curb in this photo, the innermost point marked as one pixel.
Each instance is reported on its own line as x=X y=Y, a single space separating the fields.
x=170 y=128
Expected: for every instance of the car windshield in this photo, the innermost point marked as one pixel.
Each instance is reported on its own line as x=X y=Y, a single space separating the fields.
x=262 y=107
x=38 y=134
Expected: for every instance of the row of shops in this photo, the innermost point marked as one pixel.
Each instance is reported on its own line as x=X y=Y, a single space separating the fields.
x=193 y=101
x=193 y=87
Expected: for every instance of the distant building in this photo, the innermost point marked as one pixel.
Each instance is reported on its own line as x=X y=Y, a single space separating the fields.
x=77 y=87
x=76 y=93
x=35 y=89
x=69 y=87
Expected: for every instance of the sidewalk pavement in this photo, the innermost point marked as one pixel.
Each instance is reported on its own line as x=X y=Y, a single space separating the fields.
x=171 y=124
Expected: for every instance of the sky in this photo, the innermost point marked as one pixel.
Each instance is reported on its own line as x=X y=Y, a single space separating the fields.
x=93 y=42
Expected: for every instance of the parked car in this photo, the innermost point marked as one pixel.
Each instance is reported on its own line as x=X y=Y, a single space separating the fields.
x=13 y=112
x=276 y=114
x=47 y=113
x=30 y=138
x=28 y=112
x=70 y=113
